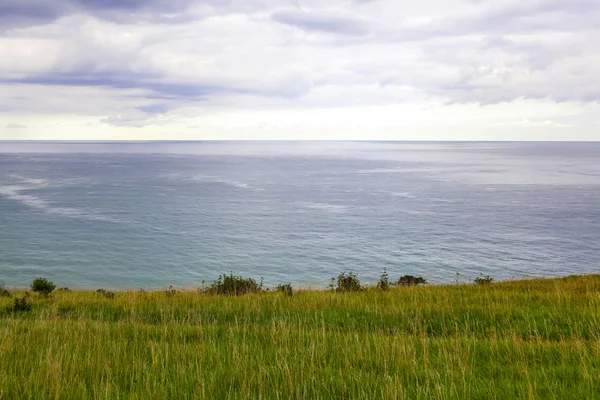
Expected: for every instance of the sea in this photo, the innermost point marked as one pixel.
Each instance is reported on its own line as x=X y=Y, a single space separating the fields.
x=124 y=215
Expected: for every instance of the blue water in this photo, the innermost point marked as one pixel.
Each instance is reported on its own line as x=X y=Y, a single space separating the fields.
x=130 y=215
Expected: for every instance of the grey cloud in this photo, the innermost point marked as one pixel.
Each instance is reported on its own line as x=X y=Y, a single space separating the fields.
x=324 y=22
x=154 y=108
x=19 y=13
x=123 y=80
x=15 y=13
x=157 y=85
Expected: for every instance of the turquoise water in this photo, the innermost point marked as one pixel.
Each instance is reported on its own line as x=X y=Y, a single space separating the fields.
x=130 y=215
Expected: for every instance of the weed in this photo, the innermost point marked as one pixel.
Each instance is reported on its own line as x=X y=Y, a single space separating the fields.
x=347 y=282
x=4 y=292
x=409 y=280
x=234 y=285
x=170 y=292
x=21 y=304
x=384 y=281
x=42 y=286
x=483 y=280
x=285 y=289
x=106 y=293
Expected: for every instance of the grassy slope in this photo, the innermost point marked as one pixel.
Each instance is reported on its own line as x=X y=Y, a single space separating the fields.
x=526 y=339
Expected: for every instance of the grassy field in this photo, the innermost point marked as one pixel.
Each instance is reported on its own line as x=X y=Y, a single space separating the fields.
x=523 y=339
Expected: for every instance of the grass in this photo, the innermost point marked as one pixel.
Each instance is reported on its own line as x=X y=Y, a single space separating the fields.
x=524 y=339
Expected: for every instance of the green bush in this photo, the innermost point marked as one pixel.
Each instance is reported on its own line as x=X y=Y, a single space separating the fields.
x=384 y=281
x=234 y=285
x=483 y=280
x=106 y=293
x=170 y=292
x=42 y=286
x=285 y=289
x=346 y=282
x=21 y=304
x=409 y=280
x=4 y=291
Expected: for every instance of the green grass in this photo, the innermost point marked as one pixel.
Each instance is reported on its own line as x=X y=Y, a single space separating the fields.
x=523 y=339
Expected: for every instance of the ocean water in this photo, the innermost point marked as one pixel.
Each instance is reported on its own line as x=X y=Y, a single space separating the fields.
x=131 y=215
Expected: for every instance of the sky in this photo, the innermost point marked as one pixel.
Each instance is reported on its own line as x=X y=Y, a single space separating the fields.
x=300 y=69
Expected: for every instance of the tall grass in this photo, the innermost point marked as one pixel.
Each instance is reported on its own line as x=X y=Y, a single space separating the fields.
x=522 y=339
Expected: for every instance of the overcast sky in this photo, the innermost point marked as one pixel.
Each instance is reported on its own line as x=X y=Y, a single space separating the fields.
x=300 y=69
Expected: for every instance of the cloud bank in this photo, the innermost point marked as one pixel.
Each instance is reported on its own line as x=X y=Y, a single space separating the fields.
x=300 y=69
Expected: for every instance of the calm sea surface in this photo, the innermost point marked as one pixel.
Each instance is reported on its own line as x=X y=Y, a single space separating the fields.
x=132 y=215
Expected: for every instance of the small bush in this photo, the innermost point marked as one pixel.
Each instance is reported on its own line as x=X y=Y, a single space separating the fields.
x=106 y=293
x=384 y=281
x=21 y=304
x=483 y=280
x=63 y=289
x=234 y=285
x=4 y=292
x=42 y=286
x=170 y=292
x=409 y=280
x=346 y=282
x=285 y=289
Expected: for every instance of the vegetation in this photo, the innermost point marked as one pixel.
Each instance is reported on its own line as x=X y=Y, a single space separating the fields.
x=234 y=285
x=286 y=289
x=21 y=304
x=106 y=294
x=384 y=281
x=42 y=286
x=4 y=292
x=536 y=339
x=483 y=280
x=409 y=280
x=346 y=282
x=170 y=292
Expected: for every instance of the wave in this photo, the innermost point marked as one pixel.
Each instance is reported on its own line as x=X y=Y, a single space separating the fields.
x=417 y=212
x=334 y=208
x=380 y=171
x=209 y=179
x=228 y=182
x=407 y=195
x=16 y=193
x=29 y=181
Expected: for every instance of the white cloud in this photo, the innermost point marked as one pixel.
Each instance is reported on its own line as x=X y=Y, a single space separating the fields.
x=15 y=126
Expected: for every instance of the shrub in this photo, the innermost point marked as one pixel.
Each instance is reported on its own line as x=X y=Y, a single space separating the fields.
x=42 y=286
x=346 y=282
x=409 y=280
x=384 y=281
x=106 y=293
x=63 y=289
x=285 y=289
x=483 y=280
x=3 y=290
x=21 y=304
x=234 y=285
x=170 y=292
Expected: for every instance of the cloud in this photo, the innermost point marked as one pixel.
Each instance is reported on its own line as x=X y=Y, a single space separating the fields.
x=322 y=21
x=14 y=13
x=547 y=122
x=15 y=126
x=140 y=63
